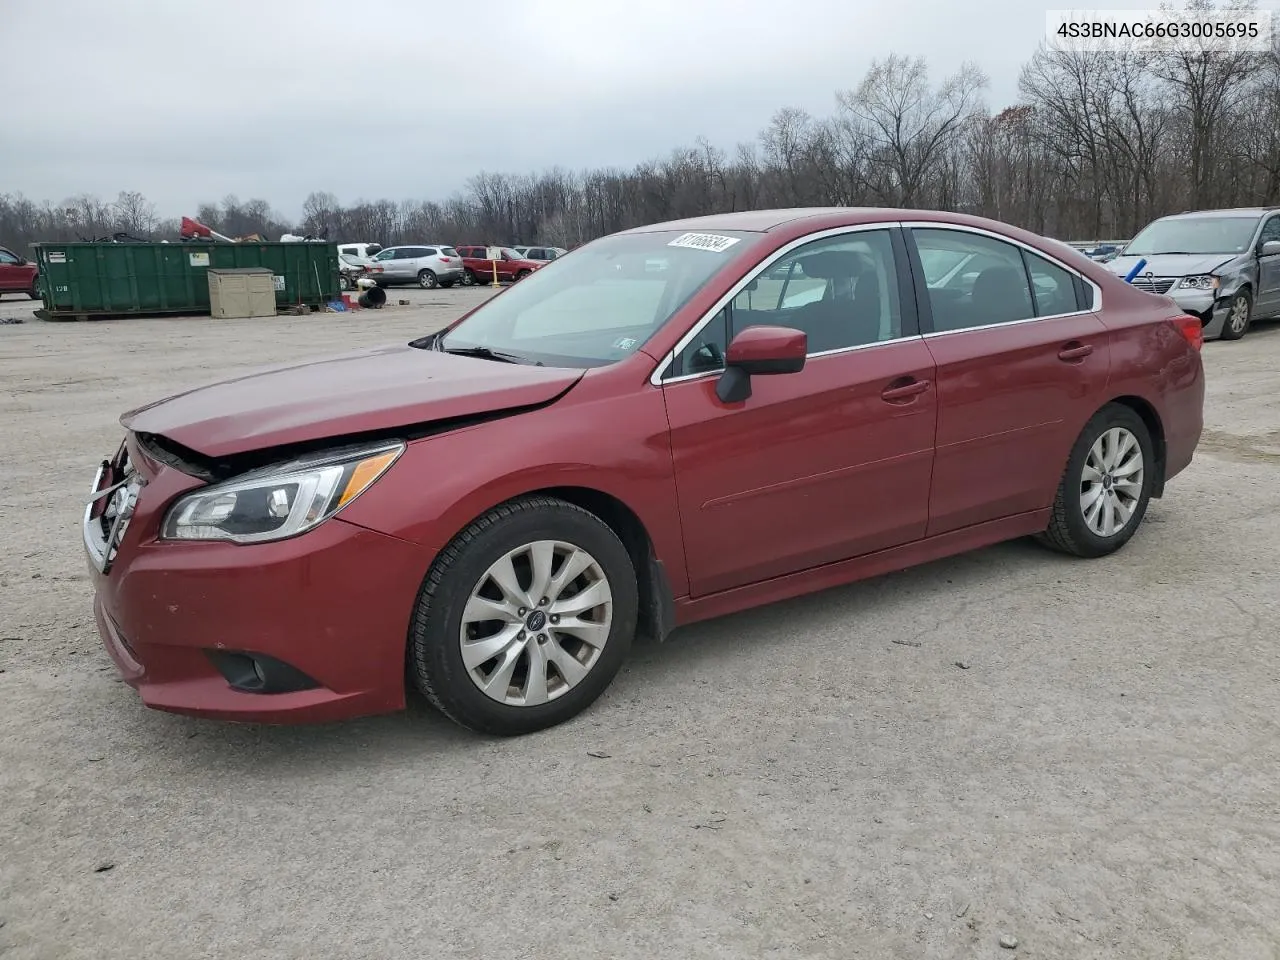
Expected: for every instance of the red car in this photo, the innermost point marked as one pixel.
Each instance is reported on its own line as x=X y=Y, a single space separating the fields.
x=672 y=423
x=17 y=274
x=479 y=264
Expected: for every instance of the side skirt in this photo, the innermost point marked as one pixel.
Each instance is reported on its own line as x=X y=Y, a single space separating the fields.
x=689 y=610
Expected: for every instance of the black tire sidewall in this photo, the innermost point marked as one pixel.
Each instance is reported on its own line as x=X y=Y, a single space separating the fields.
x=435 y=654
x=1089 y=543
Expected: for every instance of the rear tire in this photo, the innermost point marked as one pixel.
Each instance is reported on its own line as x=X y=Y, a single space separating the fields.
x=426 y=280
x=1106 y=486
x=522 y=274
x=469 y=279
x=462 y=579
x=1239 y=316
x=33 y=294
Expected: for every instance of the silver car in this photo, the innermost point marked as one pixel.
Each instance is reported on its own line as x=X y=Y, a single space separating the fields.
x=428 y=267
x=1223 y=266
x=546 y=254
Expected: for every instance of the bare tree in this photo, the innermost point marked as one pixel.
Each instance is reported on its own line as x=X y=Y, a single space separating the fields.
x=911 y=123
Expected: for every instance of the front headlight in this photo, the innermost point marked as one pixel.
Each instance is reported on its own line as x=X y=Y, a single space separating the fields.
x=280 y=501
x=1205 y=282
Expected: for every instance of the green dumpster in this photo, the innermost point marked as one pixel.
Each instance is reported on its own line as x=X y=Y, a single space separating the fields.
x=82 y=280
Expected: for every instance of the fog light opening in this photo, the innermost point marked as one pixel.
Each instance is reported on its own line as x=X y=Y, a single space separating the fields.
x=258 y=673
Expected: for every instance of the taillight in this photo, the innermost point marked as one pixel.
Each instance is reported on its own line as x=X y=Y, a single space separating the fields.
x=1191 y=328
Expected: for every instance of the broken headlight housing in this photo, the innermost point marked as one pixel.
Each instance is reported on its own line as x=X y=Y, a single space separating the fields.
x=280 y=501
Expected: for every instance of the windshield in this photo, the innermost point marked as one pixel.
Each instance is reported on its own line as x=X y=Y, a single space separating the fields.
x=1193 y=235
x=599 y=304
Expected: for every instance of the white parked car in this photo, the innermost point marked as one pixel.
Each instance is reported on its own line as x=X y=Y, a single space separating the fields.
x=427 y=266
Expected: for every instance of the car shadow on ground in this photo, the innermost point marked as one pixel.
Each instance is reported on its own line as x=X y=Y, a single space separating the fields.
x=420 y=734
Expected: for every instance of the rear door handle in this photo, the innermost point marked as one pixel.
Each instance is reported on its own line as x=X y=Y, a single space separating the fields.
x=1075 y=351
x=904 y=391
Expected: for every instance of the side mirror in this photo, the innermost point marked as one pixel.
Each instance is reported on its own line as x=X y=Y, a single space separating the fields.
x=1270 y=248
x=760 y=351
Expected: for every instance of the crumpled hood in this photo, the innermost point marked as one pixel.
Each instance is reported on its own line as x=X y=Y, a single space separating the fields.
x=377 y=389
x=1171 y=264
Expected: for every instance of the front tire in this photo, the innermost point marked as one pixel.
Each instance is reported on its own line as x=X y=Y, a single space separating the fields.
x=522 y=274
x=343 y=282
x=1106 y=486
x=525 y=618
x=426 y=280
x=1239 y=315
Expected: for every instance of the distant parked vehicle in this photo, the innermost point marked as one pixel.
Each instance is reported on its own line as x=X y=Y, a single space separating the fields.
x=428 y=267
x=545 y=254
x=480 y=263
x=350 y=269
x=1223 y=266
x=365 y=251
x=17 y=274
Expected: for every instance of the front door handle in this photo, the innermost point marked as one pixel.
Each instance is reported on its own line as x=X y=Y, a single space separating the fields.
x=1075 y=351
x=902 y=392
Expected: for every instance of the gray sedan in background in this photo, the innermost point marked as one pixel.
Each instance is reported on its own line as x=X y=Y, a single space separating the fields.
x=1220 y=265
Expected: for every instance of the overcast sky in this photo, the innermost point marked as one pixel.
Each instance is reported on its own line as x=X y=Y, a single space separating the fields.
x=187 y=102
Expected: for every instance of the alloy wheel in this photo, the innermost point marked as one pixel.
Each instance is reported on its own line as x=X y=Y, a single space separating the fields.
x=1111 y=482
x=536 y=622
x=1239 y=316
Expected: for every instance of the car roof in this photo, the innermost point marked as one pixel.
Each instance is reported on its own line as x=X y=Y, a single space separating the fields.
x=1226 y=211
x=765 y=221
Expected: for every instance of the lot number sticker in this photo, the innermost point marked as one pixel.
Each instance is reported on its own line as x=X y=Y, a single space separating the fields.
x=199 y=259
x=704 y=241
x=277 y=281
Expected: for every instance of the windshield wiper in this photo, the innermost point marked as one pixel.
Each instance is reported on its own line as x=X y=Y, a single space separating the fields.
x=485 y=353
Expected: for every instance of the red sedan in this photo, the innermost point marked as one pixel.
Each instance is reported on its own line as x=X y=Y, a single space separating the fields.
x=17 y=275
x=668 y=424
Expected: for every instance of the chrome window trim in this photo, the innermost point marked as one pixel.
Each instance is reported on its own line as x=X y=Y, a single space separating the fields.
x=809 y=356
x=1095 y=306
x=655 y=378
x=1007 y=323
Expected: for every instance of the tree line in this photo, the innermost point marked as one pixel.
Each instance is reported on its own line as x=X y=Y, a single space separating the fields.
x=1096 y=146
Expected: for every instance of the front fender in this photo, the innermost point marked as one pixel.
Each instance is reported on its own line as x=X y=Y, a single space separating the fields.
x=442 y=483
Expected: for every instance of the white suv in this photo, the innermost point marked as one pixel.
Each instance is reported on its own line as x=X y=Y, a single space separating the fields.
x=428 y=267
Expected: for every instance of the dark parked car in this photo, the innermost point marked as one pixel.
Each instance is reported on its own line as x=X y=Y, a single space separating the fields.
x=677 y=422
x=17 y=274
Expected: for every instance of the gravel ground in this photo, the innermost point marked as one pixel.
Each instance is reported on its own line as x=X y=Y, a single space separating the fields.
x=1099 y=779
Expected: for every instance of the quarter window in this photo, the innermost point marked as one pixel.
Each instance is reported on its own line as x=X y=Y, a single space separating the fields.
x=841 y=291
x=1053 y=288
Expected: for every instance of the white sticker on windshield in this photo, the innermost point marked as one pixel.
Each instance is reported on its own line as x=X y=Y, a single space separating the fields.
x=704 y=241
